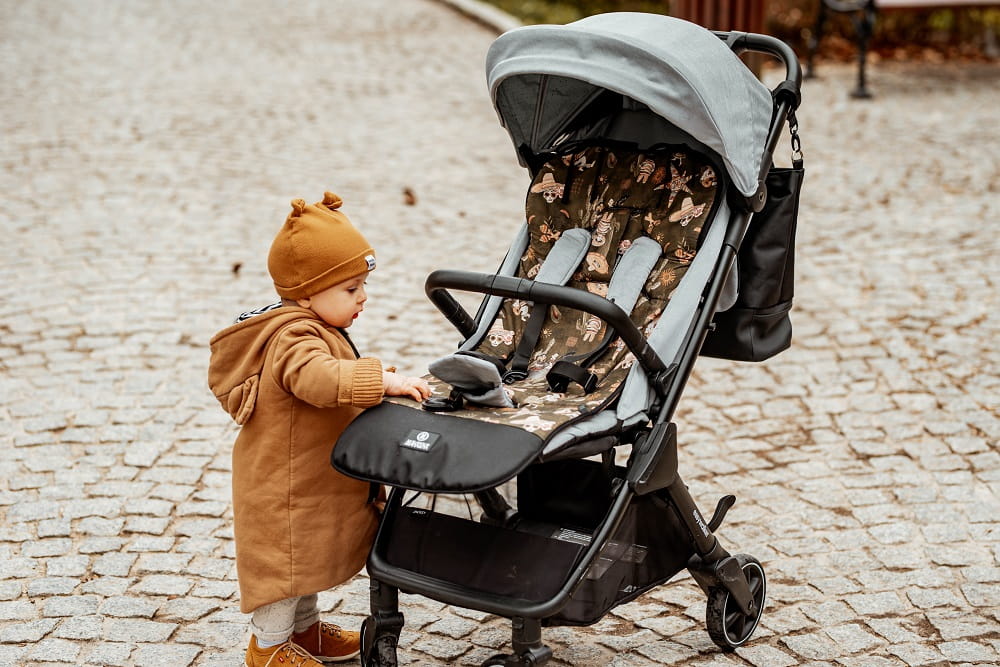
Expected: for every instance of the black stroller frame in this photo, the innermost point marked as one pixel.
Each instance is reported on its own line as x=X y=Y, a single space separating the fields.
x=734 y=584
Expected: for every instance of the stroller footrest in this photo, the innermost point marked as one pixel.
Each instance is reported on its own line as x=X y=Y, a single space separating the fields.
x=435 y=452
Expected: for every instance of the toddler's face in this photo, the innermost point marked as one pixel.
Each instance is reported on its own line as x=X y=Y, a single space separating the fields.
x=341 y=304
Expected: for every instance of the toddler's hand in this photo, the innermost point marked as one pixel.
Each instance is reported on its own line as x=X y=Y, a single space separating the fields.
x=395 y=384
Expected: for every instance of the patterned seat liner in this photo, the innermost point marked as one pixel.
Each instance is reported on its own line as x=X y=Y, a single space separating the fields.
x=618 y=194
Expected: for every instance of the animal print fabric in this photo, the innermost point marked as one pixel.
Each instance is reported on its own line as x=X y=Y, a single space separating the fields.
x=618 y=195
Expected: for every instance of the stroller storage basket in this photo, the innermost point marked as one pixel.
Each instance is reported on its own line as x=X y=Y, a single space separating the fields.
x=560 y=504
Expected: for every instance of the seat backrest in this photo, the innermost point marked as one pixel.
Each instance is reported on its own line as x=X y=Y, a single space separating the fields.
x=618 y=194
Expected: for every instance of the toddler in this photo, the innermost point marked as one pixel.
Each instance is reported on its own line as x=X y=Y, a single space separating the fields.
x=291 y=377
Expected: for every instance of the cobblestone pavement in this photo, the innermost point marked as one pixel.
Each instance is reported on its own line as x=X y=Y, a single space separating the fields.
x=150 y=152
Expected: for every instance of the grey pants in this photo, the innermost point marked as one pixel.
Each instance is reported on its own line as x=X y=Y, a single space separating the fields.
x=277 y=621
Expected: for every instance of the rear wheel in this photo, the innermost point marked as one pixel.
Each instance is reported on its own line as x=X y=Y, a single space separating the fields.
x=728 y=625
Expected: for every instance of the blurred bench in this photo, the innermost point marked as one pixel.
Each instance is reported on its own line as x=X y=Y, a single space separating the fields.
x=863 y=14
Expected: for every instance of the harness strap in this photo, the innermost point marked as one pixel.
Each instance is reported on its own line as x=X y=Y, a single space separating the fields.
x=477 y=377
x=626 y=285
x=559 y=265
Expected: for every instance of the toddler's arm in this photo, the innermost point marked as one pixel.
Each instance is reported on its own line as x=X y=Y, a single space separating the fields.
x=395 y=384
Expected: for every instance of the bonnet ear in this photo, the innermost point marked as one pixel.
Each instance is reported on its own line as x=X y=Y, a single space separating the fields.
x=332 y=201
x=298 y=207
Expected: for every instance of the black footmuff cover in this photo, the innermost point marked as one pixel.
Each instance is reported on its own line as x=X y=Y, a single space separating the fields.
x=433 y=452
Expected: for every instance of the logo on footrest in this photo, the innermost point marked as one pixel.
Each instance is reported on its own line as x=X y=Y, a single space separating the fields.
x=422 y=441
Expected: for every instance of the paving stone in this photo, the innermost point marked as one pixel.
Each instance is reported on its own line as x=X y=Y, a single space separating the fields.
x=143 y=455
x=162 y=563
x=32 y=511
x=55 y=650
x=152 y=506
x=18 y=610
x=76 y=605
x=214 y=635
x=960 y=625
x=441 y=647
x=12 y=656
x=151 y=543
x=100 y=527
x=163 y=584
x=129 y=607
x=665 y=652
x=44 y=548
x=79 y=627
x=187 y=609
x=146 y=524
x=107 y=586
x=114 y=564
x=67 y=566
x=852 y=638
x=934 y=597
x=29 y=632
x=968 y=651
x=198 y=545
x=53 y=528
x=869 y=661
x=666 y=626
x=875 y=604
x=110 y=653
x=215 y=589
x=97 y=545
x=155 y=655
x=211 y=568
x=134 y=630
x=766 y=656
x=812 y=646
x=10 y=590
x=52 y=586
x=982 y=594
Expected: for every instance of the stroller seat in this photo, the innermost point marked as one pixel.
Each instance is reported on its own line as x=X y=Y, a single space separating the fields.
x=616 y=221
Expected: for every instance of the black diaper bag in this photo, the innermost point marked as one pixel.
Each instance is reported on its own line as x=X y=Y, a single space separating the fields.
x=758 y=325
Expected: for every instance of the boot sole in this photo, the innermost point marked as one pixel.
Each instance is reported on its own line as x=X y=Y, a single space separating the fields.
x=342 y=658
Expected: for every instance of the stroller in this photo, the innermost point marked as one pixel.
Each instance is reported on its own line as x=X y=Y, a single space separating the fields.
x=649 y=144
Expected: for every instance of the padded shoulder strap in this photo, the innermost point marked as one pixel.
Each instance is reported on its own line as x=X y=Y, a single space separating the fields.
x=564 y=257
x=633 y=271
x=559 y=265
x=626 y=284
x=480 y=380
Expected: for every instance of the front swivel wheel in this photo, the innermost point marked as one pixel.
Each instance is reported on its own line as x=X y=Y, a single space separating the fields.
x=378 y=649
x=728 y=625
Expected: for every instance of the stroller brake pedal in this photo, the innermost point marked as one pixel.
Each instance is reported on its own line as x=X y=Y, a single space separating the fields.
x=725 y=504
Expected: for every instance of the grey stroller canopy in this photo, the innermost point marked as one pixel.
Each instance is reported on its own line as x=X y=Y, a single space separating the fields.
x=540 y=77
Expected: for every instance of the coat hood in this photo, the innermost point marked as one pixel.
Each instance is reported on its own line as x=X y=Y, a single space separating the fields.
x=237 y=358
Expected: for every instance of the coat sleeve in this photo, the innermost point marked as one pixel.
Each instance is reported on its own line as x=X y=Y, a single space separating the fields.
x=305 y=367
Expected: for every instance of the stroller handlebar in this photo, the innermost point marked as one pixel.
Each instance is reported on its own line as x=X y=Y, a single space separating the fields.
x=741 y=42
x=439 y=282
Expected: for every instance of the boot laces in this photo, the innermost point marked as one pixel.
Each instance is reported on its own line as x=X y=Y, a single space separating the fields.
x=296 y=654
x=330 y=629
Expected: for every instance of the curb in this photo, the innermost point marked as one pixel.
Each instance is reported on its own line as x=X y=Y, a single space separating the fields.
x=484 y=14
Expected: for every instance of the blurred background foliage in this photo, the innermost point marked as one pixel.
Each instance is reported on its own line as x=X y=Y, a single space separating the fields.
x=924 y=34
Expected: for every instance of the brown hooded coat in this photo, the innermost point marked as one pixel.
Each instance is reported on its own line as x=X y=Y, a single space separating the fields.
x=293 y=383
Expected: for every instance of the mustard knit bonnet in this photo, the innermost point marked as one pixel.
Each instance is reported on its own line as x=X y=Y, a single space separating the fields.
x=317 y=248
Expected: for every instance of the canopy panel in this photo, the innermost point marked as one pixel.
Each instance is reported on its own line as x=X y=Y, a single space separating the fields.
x=540 y=77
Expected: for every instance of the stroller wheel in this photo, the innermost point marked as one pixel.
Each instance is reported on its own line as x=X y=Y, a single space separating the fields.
x=498 y=660
x=377 y=651
x=728 y=626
